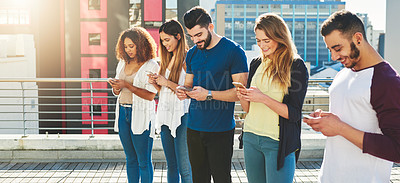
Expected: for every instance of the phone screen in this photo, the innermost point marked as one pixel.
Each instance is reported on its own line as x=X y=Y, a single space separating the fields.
x=238 y=85
x=308 y=116
x=149 y=72
x=184 y=88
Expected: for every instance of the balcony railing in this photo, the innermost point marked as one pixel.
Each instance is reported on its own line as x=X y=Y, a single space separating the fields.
x=85 y=105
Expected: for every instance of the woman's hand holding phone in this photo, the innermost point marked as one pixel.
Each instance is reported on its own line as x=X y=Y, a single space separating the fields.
x=238 y=85
x=240 y=90
x=152 y=77
x=184 y=88
x=115 y=84
x=181 y=92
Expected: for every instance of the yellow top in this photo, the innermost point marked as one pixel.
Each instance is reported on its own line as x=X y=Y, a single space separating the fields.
x=261 y=120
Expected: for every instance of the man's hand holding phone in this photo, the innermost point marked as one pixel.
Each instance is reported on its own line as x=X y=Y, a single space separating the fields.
x=309 y=117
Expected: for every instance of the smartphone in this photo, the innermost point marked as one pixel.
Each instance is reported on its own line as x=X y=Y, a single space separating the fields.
x=149 y=72
x=184 y=88
x=308 y=116
x=238 y=85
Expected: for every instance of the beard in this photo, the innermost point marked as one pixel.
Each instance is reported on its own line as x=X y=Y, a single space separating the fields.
x=355 y=52
x=354 y=55
x=206 y=42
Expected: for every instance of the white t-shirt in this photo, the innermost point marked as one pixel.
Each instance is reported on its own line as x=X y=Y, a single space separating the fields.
x=350 y=99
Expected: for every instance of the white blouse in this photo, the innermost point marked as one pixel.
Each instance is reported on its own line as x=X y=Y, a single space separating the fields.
x=170 y=109
x=143 y=111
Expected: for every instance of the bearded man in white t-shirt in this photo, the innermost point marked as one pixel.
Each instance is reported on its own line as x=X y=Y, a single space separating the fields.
x=363 y=125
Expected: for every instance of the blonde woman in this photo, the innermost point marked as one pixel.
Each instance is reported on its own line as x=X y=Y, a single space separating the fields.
x=172 y=113
x=278 y=83
x=135 y=111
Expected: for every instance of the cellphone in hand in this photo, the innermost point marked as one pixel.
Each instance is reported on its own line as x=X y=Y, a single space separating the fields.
x=308 y=116
x=184 y=88
x=238 y=85
x=149 y=72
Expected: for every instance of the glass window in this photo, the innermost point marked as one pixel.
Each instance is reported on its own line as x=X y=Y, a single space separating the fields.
x=94 y=38
x=250 y=26
x=94 y=4
x=152 y=24
x=171 y=10
x=23 y=17
x=135 y=14
x=94 y=73
x=97 y=110
x=228 y=25
x=13 y=17
x=3 y=16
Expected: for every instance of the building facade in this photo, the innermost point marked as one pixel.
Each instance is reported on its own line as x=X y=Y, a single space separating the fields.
x=235 y=19
x=74 y=39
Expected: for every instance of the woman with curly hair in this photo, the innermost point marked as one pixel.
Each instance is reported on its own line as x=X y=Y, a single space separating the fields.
x=134 y=115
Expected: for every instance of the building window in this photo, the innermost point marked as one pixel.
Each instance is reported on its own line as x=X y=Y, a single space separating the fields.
x=3 y=16
x=94 y=5
x=135 y=14
x=171 y=10
x=14 y=16
x=23 y=17
x=153 y=24
x=97 y=110
x=94 y=73
x=94 y=38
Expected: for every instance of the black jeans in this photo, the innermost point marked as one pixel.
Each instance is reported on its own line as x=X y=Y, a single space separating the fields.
x=210 y=154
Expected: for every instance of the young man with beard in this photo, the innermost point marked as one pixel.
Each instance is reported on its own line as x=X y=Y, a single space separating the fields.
x=212 y=65
x=363 y=125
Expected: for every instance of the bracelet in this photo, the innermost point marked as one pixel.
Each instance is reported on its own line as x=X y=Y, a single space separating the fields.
x=117 y=90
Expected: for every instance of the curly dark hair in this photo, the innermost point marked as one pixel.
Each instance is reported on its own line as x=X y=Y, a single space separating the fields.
x=145 y=45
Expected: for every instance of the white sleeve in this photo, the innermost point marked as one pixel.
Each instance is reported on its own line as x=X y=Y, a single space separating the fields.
x=149 y=87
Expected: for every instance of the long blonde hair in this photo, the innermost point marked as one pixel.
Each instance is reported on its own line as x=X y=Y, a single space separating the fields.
x=276 y=29
x=173 y=28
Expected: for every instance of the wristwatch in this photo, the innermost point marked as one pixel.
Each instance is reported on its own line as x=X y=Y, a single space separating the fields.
x=209 y=96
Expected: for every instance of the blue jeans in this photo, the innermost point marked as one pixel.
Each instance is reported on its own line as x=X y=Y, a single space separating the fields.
x=176 y=152
x=137 y=149
x=260 y=156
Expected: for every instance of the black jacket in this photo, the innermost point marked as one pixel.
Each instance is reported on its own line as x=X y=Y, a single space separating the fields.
x=289 y=129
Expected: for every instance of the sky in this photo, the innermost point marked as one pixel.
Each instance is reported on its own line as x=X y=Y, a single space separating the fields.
x=376 y=10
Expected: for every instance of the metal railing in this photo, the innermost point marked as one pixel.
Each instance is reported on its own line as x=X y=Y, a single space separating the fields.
x=75 y=105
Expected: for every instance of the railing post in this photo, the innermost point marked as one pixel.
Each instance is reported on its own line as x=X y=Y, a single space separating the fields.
x=23 y=107
x=91 y=108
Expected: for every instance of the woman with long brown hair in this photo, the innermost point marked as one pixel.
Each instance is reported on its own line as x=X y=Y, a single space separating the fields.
x=278 y=82
x=172 y=113
x=135 y=109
